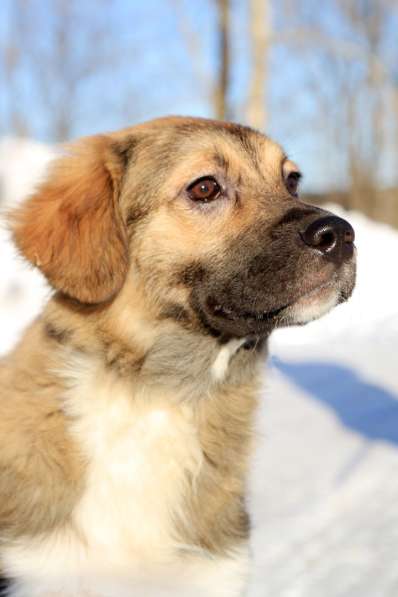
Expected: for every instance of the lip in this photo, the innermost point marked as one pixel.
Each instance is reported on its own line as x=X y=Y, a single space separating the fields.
x=231 y=314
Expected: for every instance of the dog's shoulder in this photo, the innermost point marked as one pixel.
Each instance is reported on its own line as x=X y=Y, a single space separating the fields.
x=39 y=465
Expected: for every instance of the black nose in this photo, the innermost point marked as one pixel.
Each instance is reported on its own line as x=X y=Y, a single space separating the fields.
x=331 y=235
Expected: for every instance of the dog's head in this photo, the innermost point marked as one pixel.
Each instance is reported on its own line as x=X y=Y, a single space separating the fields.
x=202 y=216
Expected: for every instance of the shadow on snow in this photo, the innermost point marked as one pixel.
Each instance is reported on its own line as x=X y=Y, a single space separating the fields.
x=361 y=406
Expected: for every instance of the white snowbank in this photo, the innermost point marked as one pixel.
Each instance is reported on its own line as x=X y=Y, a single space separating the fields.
x=22 y=164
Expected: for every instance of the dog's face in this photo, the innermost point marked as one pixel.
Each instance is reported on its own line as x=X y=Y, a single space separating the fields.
x=202 y=215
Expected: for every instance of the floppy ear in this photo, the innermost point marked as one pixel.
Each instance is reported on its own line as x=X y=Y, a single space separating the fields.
x=71 y=228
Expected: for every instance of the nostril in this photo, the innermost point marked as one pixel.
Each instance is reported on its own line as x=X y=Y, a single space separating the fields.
x=325 y=240
x=320 y=235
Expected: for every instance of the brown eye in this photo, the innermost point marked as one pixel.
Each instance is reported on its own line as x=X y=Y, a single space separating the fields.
x=292 y=182
x=205 y=189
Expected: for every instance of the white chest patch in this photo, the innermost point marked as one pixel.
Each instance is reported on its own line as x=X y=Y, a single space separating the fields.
x=220 y=365
x=142 y=454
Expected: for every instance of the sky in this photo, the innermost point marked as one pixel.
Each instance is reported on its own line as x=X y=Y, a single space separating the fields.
x=147 y=71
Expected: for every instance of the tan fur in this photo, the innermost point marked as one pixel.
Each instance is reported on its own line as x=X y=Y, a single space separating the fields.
x=63 y=228
x=116 y=237
x=71 y=228
x=40 y=470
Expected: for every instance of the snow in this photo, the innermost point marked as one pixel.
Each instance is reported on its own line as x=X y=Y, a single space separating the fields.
x=324 y=481
x=23 y=163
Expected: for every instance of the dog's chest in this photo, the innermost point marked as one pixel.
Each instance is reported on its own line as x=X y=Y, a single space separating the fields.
x=142 y=453
x=143 y=458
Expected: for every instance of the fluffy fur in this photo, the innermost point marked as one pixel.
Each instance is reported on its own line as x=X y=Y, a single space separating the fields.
x=126 y=411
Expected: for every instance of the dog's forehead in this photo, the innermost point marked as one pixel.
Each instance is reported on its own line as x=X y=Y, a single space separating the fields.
x=235 y=148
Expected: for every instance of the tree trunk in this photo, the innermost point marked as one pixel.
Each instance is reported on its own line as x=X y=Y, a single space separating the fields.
x=260 y=35
x=221 y=108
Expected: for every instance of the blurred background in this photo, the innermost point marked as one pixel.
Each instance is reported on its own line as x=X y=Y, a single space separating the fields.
x=322 y=79
x=320 y=76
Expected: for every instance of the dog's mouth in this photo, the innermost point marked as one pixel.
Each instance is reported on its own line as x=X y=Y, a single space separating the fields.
x=232 y=314
x=307 y=305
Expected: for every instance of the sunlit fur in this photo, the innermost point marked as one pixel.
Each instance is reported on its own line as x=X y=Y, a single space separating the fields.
x=127 y=409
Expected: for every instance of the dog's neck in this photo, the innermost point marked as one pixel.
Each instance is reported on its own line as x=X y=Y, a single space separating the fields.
x=133 y=340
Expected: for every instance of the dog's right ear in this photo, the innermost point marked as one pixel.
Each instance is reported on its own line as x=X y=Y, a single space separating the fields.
x=72 y=229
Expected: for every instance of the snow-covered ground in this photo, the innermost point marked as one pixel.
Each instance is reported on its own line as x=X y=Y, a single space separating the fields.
x=324 y=483
x=23 y=164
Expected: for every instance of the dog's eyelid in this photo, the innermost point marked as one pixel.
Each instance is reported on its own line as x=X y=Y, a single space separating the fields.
x=291 y=176
x=205 y=176
x=198 y=179
x=292 y=182
x=289 y=167
x=295 y=175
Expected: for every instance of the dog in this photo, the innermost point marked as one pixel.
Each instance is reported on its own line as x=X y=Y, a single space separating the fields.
x=174 y=248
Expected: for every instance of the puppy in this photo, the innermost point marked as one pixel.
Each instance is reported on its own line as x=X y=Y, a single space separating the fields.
x=174 y=248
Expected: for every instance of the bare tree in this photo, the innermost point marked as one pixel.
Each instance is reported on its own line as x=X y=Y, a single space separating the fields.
x=74 y=51
x=216 y=87
x=356 y=69
x=260 y=38
x=221 y=89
